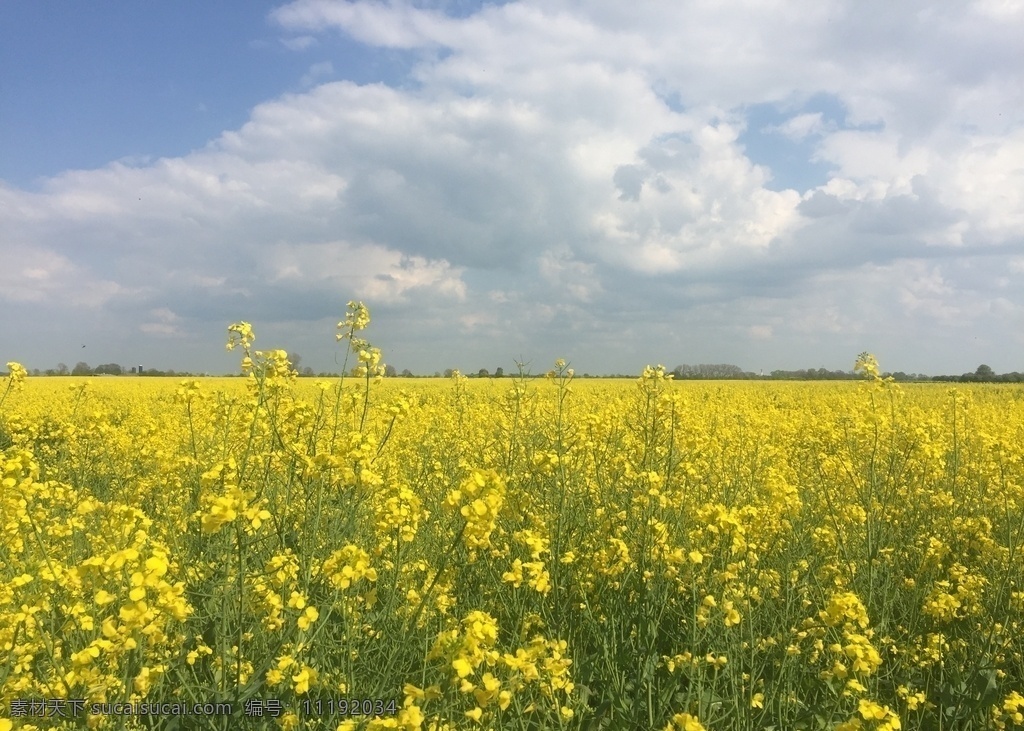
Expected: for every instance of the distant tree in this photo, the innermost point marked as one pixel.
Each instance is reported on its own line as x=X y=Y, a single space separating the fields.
x=389 y=371
x=984 y=373
x=448 y=372
x=483 y=373
x=499 y=372
x=109 y=369
x=307 y=371
x=406 y=373
x=62 y=369
x=728 y=370
x=294 y=359
x=81 y=369
x=707 y=370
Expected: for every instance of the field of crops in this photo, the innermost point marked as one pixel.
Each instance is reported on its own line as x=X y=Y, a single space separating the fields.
x=508 y=553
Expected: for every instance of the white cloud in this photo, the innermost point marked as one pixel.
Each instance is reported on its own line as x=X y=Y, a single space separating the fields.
x=31 y=275
x=554 y=168
x=317 y=72
x=164 y=314
x=299 y=43
x=163 y=323
x=929 y=294
x=801 y=126
x=395 y=26
x=579 y=280
x=34 y=275
x=372 y=272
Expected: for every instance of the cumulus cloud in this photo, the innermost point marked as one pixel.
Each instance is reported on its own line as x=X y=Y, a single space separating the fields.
x=579 y=280
x=317 y=72
x=372 y=272
x=34 y=276
x=163 y=323
x=562 y=173
x=299 y=43
x=800 y=126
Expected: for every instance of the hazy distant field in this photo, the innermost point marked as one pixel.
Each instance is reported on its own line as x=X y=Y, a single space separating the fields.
x=495 y=553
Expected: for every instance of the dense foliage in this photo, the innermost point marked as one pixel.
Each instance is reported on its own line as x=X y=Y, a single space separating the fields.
x=511 y=554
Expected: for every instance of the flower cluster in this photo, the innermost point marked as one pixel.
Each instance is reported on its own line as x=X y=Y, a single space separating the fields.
x=226 y=501
x=16 y=372
x=478 y=501
x=348 y=566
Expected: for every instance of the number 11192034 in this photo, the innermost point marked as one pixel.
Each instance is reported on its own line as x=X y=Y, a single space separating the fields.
x=349 y=707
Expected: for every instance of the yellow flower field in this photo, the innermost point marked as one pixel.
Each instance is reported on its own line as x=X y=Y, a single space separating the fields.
x=517 y=553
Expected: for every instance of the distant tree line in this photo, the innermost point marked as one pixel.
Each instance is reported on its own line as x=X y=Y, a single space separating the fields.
x=812 y=374
x=983 y=374
x=109 y=369
x=684 y=372
x=715 y=371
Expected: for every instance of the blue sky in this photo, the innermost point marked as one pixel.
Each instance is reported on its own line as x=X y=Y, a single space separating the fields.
x=776 y=186
x=88 y=83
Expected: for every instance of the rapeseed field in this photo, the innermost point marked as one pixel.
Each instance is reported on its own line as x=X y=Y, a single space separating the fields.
x=516 y=553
